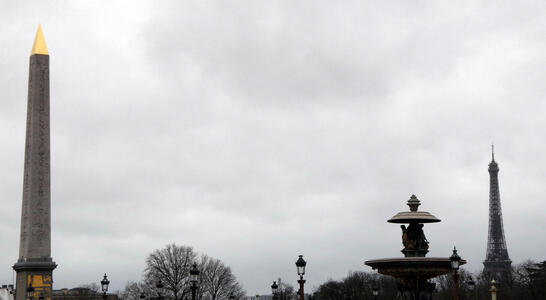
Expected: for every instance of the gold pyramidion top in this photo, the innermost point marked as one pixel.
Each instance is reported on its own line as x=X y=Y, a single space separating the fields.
x=39 y=46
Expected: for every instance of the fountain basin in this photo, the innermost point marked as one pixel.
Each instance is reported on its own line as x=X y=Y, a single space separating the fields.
x=412 y=267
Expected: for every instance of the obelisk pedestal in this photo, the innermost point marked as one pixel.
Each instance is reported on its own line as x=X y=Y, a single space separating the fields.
x=35 y=265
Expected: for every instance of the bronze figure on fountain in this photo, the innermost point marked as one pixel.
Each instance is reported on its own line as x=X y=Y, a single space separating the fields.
x=413 y=237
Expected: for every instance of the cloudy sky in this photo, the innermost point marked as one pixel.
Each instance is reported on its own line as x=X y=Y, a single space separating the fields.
x=255 y=131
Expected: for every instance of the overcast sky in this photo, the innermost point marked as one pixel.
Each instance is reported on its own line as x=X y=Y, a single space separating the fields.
x=255 y=131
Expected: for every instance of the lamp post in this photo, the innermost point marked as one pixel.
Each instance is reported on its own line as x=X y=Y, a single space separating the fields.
x=30 y=291
x=471 y=285
x=455 y=262
x=104 y=285
x=274 y=290
x=300 y=264
x=375 y=291
x=493 y=290
x=142 y=296
x=194 y=278
x=231 y=296
x=159 y=286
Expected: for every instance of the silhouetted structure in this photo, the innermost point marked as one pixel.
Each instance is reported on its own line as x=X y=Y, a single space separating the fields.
x=414 y=270
x=497 y=264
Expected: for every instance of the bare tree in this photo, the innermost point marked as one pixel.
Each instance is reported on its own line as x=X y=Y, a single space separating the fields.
x=286 y=291
x=133 y=290
x=357 y=285
x=171 y=265
x=217 y=280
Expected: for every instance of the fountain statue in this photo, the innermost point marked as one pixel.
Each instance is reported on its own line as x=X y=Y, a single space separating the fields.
x=414 y=270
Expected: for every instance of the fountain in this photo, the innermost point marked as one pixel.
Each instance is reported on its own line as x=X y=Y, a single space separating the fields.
x=414 y=269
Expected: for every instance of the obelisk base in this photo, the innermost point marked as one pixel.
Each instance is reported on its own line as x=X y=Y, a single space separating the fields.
x=37 y=272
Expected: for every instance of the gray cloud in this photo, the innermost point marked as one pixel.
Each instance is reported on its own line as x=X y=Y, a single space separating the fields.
x=258 y=132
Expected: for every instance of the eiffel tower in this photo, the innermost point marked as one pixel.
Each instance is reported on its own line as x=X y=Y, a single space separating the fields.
x=497 y=264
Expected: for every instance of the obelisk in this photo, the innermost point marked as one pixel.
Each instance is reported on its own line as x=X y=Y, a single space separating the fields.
x=35 y=265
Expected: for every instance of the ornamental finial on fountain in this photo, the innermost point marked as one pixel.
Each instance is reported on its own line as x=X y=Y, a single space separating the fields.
x=413 y=203
x=413 y=216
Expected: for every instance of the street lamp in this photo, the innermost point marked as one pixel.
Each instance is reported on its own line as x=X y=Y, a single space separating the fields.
x=300 y=264
x=375 y=291
x=274 y=290
x=231 y=296
x=104 y=285
x=30 y=291
x=159 y=286
x=493 y=290
x=455 y=262
x=471 y=285
x=194 y=278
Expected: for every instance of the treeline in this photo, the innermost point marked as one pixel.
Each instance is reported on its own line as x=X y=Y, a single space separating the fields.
x=528 y=282
x=357 y=286
x=171 y=265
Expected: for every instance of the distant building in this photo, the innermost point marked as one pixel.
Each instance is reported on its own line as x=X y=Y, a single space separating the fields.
x=81 y=294
x=7 y=292
x=258 y=297
x=270 y=297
